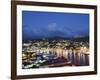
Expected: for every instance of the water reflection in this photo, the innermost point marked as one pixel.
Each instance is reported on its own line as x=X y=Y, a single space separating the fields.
x=55 y=57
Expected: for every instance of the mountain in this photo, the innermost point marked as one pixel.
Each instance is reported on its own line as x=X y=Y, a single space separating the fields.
x=86 y=38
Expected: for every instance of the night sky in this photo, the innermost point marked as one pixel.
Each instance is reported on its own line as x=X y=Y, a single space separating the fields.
x=39 y=25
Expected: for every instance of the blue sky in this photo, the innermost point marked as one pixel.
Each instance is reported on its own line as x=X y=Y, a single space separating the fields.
x=37 y=25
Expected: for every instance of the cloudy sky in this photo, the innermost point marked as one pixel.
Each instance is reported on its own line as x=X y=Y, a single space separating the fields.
x=37 y=25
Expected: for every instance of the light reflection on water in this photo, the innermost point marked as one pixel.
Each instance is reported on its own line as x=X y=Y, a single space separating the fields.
x=79 y=57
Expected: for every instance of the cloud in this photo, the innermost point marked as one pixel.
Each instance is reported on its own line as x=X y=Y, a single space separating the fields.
x=55 y=29
x=52 y=27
